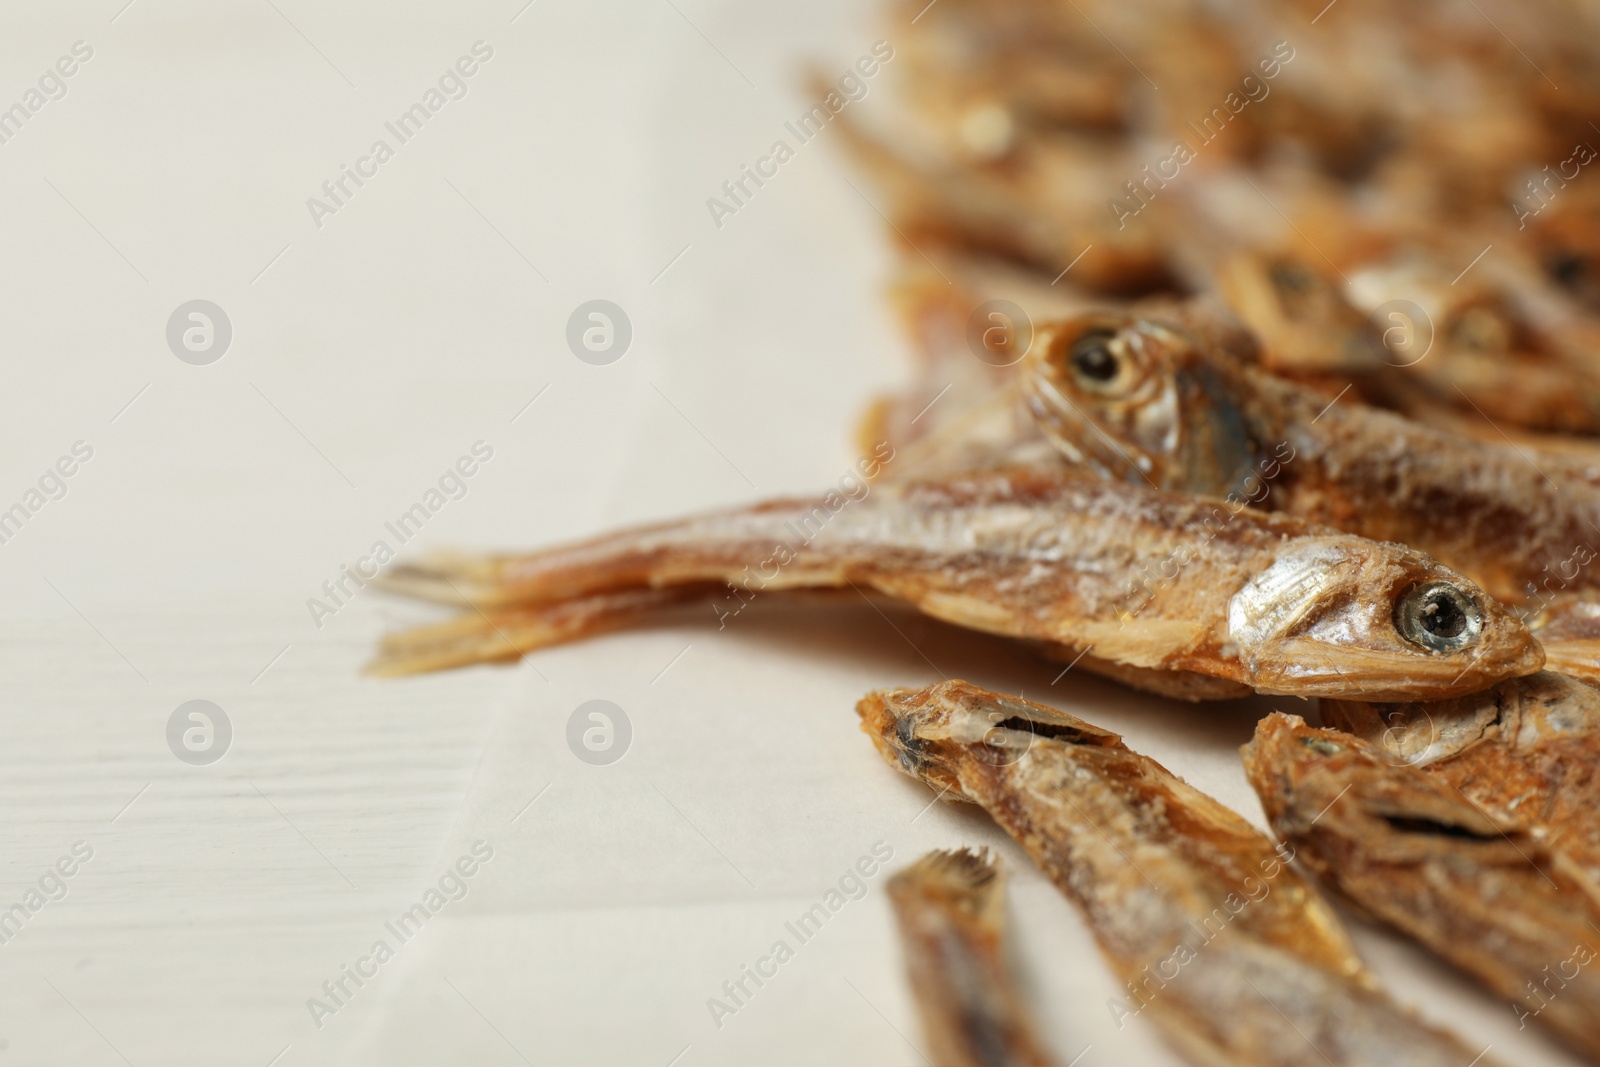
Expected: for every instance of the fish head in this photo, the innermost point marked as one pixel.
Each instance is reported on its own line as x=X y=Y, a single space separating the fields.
x=1340 y=616
x=1299 y=310
x=1522 y=713
x=1140 y=400
x=1335 y=793
x=1478 y=317
x=933 y=733
x=1488 y=324
x=1564 y=236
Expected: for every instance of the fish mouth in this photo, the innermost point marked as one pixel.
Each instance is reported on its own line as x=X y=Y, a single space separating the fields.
x=893 y=719
x=929 y=732
x=1399 y=814
x=1306 y=666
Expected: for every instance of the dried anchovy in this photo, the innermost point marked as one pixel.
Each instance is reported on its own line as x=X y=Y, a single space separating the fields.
x=1526 y=751
x=1487 y=895
x=1169 y=400
x=1255 y=602
x=950 y=907
x=1474 y=345
x=1234 y=956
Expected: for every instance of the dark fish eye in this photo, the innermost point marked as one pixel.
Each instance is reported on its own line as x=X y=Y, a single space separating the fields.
x=1292 y=278
x=1568 y=268
x=1093 y=359
x=1321 y=746
x=1483 y=329
x=1438 y=616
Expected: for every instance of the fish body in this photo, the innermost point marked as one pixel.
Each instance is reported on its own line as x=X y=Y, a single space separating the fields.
x=1489 y=510
x=1485 y=894
x=1041 y=208
x=1299 y=314
x=1072 y=563
x=987 y=74
x=950 y=910
x=1472 y=345
x=1231 y=953
x=1526 y=751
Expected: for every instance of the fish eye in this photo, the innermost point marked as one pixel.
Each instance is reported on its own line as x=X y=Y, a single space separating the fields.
x=1093 y=359
x=1292 y=278
x=1483 y=329
x=1438 y=616
x=1568 y=268
x=1321 y=746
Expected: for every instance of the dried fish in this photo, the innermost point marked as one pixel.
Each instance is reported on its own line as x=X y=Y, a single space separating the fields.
x=1300 y=315
x=1485 y=894
x=1174 y=401
x=1526 y=751
x=970 y=320
x=1474 y=346
x=984 y=70
x=1232 y=954
x=950 y=907
x=1248 y=601
x=1041 y=209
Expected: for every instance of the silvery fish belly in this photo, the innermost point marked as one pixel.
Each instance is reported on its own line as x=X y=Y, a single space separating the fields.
x=1219 y=942
x=1167 y=592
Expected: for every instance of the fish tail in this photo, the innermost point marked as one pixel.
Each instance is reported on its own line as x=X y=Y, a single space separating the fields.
x=503 y=636
x=751 y=548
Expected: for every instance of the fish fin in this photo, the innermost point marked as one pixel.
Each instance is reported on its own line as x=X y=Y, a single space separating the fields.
x=504 y=636
x=969 y=879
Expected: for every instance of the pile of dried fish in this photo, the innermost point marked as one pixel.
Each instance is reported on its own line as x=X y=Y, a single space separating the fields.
x=1257 y=349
